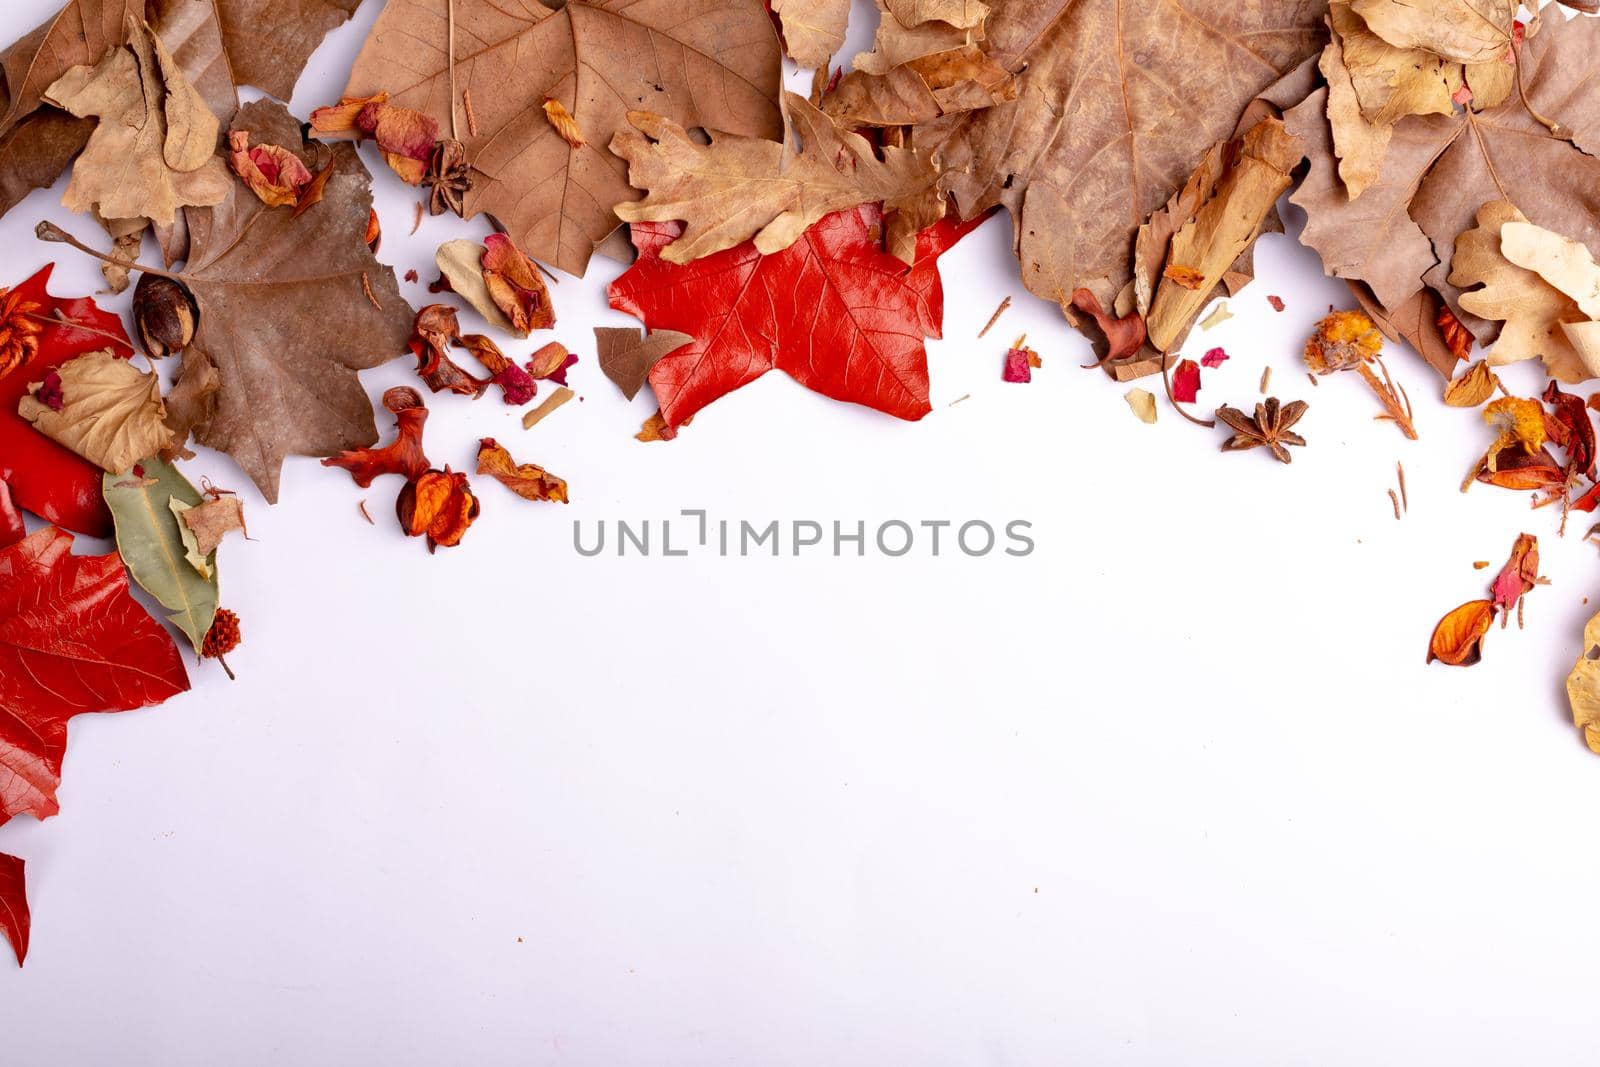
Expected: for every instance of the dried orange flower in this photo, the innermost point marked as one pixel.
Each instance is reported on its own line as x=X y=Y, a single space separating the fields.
x=439 y=504
x=19 y=332
x=1520 y=422
x=1348 y=340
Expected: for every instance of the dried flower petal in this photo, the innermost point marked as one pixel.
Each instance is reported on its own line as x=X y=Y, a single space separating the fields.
x=1214 y=357
x=1458 y=638
x=1343 y=340
x=404 y=455
x=565 y=124
x=1475 y=385
x=438 y=504
x=1124 y=336
x=1186 y=382
x=525 y=479
x=515 y=285
x=435 y=331
x=1519 y=575
x=550 y=363
x=19 y=331
x=273 y=173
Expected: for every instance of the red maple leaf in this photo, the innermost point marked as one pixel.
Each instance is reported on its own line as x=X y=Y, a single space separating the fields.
x=834 y=311
x=71 y=640
x=14 y=920
x=45 y=478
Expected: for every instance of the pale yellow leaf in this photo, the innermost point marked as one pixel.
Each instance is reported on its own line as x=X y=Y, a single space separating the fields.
x=111 y=412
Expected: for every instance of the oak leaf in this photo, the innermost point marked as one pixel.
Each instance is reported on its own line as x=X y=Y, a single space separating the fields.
x=1101 y=135
x=833 y=311
x=72 y=640
x=46 y=478
x=1391 y=82
x=110 y=413
x=153 y=150
x=701 y=63
x=742 y=188
x=285 y=319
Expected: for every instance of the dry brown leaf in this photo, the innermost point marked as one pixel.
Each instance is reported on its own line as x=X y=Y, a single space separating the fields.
x=1440 y=169
x=1531 y=308
x=739 y=188
x=1359 y=144
x=922 y=89
x=110 y=412
x=1475 y=386
x=1583 y=687
x=153 y=150
x=813 y=30
x=1391 y=82
x=1566 y=265
x=1221 y=230
x=211 y=521
x=626 y=358
x=1466 y=31
x=701 y=63
x=1103 y=133
x=287 y=384
x=77 y=35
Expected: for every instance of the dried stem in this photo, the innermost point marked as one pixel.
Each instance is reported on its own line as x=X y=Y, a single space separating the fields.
x=1554 y=127
x=1394 y=405
x=58 y=319
x=49 y=231
x=1001 y=310
x=450 y=12
x=227 y=668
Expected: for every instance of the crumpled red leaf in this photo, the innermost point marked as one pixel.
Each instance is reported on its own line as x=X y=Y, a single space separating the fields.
x=1214 y=357
x=439 y=505
x=1124 y=336
x=834 y=311
x=45 y=478
x=1568 y=425
x=405 y=137
x=14 y=916
x=273 y=173
x=72 y=640
x=527 y=480
x=1186 y=382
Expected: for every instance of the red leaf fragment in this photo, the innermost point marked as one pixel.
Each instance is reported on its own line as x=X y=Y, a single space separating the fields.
x=834 y=311
x=1276 y=302
x=1124 y=336
x=1569 y=426
x=12 y=529
x=1186 y=382
x=1018 y=368
x=1519 y=575
x=72 y=640
x=15 y=919
x=1214 y=357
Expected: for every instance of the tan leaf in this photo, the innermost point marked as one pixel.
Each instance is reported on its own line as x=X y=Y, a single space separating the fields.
x=210 y=521
x=1391 y=82
x=1359 y=144
x=138 y=163
x=626 y=358
x=461 y=264
x=1440 y=169
x=1531 y=308
x=111 y=412
x=1491 y=83
x=813 y=30
x=1467 y=31
x=921 y=89
x=547 y=406
x=713 y=64
x=1583 y=687
x=1150 y=89
x=77 y=35
x=1566 y=265
x=962 y=14
x=191 y=544
x=1475 y=385
x=739 y=188
x=898 y=42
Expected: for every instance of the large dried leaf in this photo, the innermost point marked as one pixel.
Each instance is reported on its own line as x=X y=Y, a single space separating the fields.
x=152 y=151
x=813 y=30
x=1359 y=143
x=1440 y=169
x=37 y=150
x=111 y=412
x=150 y=538
x=285 y=319
x=1118 y=104
x=1566 y=265
x=742 y=188
x=922 y=89
x=78 y=34
x=1583 y=687
x=701 y=63
x=1532 y=309
x=72 y=640
x=1467 y=31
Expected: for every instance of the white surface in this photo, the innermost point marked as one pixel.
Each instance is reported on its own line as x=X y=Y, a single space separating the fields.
x=1177 y=788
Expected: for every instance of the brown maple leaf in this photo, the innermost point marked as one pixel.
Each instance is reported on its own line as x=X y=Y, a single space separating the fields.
x=701 y=63
x=1117 y=104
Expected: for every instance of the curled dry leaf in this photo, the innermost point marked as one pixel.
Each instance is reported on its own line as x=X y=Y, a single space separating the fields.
x=435 y=330
x=1458 y=638
x=564 y=123
x=438 y=505
x=921 y=89
x=1124 y=336
x=738 y=189
x=211 y=521
x=1568 y=425
x=525 y=479
x=460 y=266
x=111 y=413
x=404 y=455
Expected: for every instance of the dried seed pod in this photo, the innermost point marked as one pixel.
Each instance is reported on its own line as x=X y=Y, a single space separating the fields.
x=166 y=315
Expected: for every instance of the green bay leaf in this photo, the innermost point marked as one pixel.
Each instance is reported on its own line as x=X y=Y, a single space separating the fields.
x=152 y=544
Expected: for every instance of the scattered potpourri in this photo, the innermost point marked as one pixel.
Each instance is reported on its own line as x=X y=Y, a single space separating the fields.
x=822 y=206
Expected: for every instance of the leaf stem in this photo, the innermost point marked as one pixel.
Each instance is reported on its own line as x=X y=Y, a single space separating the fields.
x=1166 y=380
x=450 y=12
x=58 y=319
x=49 y=231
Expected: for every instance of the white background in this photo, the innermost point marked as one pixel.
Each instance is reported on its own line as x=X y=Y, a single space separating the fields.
x=1176 y=788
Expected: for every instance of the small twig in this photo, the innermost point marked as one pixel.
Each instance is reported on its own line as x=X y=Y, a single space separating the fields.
x=365 y=514
x=1400 y=472
x=1313 y=378
x=49 y=231
x=1266 y=379
x=227 y=668
x=59 y=319
x=366 y=287
x=959 y=399
x=450 y=12
x=1393 y=406
x=1001 y=310
x=416 y=220
x=1396 y=502
x=1554 y=127
x=472 y=116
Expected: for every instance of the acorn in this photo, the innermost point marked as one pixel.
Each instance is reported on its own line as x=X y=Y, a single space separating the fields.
x=166 y=314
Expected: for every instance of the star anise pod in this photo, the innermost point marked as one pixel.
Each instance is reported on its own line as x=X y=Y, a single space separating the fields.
x=1269 y=428
x=448 y=178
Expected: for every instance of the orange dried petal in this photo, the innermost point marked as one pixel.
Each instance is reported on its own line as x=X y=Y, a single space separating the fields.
x=1458 y=638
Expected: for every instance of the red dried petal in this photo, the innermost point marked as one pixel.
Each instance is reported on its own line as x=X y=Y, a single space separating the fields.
x=1186 y=382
